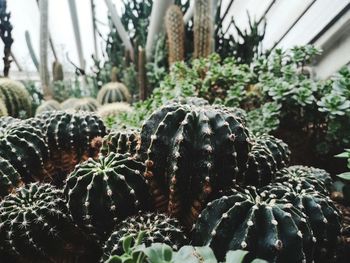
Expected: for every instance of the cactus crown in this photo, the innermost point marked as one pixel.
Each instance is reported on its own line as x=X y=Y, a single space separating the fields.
x=121 y=141
x=113 y=109
x=113 y=92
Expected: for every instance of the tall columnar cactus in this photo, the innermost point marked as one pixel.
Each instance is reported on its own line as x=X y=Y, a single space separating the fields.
x=214 y=140
x=71 y=138
x=24 y=147
x=36 y=226
x=9 y=178
x=48 y=105
x=202 y=28
x=57 y=71
x=157 y=228
x=121 y=141
x=31 y=50
x=104 y=192
x=113 y=109
x=175 y=29
x=6 y=36
x=269 y=227
x=16 y=97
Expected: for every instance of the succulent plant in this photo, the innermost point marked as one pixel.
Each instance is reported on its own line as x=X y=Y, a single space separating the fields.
x=57 y=71
x=36 y=225
x=121 y=141
x=155 y=228
x=7 y=120
x=269 y=227
x=175 y=29
x=214 y=140
x=9 y=178
x=113 y=109
x=71 y=138
x=103 y=192
x=69 y=103
x=24 y=147
x=16 y=98
x=48 y=105
x=3 y=109
x=86 y=104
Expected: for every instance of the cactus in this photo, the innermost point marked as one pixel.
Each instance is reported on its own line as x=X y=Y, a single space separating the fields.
x=121 y=141
x=71 y=138
x=3 y=109
x=49 y=105
x=113 y=109
x=202 y=29
x=269 y=227
x=36 y=226
x=175 y=29
x=84 y=104
x=16 y=98
x=69 y=103
x=9 y=178
x=113 y=92
x=6 y=36
x=104 y=192
x=214 y=140
x=24 y=147
x=57 y=71
x=7 y=120
x=155 y=228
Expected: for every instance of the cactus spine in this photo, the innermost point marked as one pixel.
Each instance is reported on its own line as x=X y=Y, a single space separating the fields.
x=175 y=29
x=202 y=28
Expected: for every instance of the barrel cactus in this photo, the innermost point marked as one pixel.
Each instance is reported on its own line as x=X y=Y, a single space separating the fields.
x=71 y=138
x=16 y=98
x=5 y=121
x=9 y=178
x=3 y=109
x=121 y=141
x=103 y=192
x=69 y=103
x=24 y=147
x=214 y=140
x=156 y=228
x=49 y=105
x=113 y=109
x=84 y=104
x=269 y=227
x=36 y=225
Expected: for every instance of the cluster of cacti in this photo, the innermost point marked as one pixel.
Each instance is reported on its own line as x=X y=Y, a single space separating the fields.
x=121 y=141
x=113 y=109
x=9 y=178
x=16 y=98
x=36 y=225
x=48 y=105
x=104 y=192
x=175 y=29
x=156 y=228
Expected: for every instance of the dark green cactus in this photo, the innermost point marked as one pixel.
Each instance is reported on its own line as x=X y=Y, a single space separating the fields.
x=269 y=227
x=6 y=35
x=214 y=140
x=36 y=226
x=48 y=105
x=121 y=141
x=7 y=120
x=71 y=138
x=104 y=192
x=16 y=97
x=9 y=178
x=155 y=228
x=24 y=147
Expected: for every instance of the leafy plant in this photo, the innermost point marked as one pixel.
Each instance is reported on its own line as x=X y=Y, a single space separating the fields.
x=345 y=177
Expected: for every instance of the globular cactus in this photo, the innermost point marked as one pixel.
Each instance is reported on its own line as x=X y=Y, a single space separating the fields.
x=57 y=71
x=175 y=30
x=7 y=120
x=25 y=148
x=86 y=104
x=3 y=109
x=16 y=98
x=267 y=156
x=202 y=28
x=269 y=227
x=113 y=109
x=69 y=103
x=104 y=192
x=9 y=178
x=157 y=228
x=71 y=138
x=214 y=140
x=113 y=91
x=36 y=226
x=48 y=105
x=121 y=141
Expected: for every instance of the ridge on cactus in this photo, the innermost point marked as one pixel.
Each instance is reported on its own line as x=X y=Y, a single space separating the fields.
x=113 y=91
x=48 y=105
x=103 y=192
x=269 y=227
x=36 y=225
x=154 y=227
x=9 y=178
x=25 y=148
x=121 y=141
x=16 y=98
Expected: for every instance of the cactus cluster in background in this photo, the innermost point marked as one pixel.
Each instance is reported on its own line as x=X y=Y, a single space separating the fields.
x=48 y=105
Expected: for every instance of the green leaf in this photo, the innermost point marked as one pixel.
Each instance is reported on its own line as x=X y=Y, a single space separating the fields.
x=344 y=176
x=343 y=155
x=127 y=243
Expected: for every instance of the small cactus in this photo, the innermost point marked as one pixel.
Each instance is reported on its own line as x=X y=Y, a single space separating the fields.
x=155 y=227
x=175 y=29
x=57 y=71
x=9 y=178
x=113 y=109
x=121 y=141
x=49 y=105
x=104 y=192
